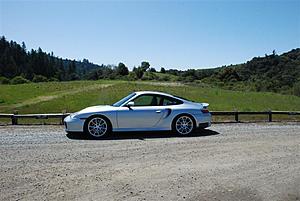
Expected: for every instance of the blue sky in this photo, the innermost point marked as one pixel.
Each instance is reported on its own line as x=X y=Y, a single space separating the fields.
x=170 y=34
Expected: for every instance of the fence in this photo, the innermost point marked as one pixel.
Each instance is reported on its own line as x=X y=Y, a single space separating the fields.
x=14 y=117
x=269 y=114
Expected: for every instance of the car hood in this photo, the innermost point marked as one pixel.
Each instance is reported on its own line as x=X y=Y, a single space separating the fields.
x=99 y=108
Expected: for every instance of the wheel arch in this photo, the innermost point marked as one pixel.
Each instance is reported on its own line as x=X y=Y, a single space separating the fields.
x=182 y=114
x=97 y=115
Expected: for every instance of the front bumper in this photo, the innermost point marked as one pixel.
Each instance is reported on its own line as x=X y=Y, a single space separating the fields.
x=73 y=124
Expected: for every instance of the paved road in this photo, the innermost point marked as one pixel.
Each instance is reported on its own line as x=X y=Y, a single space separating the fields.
x=228 y=162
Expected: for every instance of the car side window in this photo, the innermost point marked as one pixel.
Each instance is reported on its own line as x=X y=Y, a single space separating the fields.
x=170 y=101
x=146 y=100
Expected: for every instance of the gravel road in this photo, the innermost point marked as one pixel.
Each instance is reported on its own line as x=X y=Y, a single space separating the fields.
x=227 y=162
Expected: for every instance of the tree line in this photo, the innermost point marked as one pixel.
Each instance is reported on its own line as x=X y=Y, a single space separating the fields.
x=20 y=65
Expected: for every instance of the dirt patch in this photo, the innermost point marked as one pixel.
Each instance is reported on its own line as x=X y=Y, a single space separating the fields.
x=163 y=83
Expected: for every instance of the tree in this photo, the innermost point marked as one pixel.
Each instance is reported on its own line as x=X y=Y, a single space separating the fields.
x=72 y=67
x=152 y=70
x=71 y=71
x=24 y=46
x=122 y=69
x=85 y=61
x=144 y=66
x=139 y=72
x=163 y=70
x=11 y=67
x=61 y=72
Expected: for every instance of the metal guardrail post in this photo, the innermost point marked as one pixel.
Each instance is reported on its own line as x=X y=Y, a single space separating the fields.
x=14 y=119
x=270 y=116
x=62 y=119
x=64 y=115
x=236 y=116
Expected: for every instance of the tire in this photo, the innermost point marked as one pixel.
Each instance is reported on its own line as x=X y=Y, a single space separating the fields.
x=183 y=124
x=97 y=127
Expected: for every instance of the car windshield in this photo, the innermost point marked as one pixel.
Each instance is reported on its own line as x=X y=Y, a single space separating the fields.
x=123 y=100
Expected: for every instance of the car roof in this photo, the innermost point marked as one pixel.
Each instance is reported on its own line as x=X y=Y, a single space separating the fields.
x=155 y=92
x=152 y=92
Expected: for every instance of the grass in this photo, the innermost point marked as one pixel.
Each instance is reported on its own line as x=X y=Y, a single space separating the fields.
x=13 y=97
x=166 y=76
x=52 y=97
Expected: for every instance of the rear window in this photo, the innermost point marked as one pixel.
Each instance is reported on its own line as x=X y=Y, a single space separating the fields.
x=170 y=101
x=183 y=98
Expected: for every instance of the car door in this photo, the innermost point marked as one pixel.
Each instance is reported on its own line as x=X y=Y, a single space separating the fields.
x=145 y=113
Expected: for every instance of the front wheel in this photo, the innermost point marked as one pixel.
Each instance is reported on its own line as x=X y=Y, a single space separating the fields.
x=97 y=127
x=183 y=125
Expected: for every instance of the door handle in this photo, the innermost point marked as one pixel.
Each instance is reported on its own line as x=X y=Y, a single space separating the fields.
x=158 y=111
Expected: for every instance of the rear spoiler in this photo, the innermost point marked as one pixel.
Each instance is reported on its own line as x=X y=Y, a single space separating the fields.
x=205 y=105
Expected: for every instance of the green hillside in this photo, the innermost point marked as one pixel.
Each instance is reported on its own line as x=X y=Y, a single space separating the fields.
x=277 y=73
x=51 y=97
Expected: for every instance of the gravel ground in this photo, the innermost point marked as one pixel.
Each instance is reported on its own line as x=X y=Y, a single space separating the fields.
x=227 y=162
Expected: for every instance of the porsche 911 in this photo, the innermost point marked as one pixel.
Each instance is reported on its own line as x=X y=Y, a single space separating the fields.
x=141 y=111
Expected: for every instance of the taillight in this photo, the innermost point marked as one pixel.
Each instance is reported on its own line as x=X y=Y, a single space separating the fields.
x=204 y=111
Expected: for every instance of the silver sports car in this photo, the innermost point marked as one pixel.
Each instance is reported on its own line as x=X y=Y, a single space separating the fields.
x=141 y=111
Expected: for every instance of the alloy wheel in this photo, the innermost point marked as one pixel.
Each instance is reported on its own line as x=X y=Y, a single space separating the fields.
x=184 y=125
x=97 y=127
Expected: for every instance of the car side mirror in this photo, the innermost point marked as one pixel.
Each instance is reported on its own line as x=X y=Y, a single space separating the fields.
x=130 y=104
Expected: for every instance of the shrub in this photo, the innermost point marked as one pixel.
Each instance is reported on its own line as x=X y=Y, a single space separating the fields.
x=53 y=79
x=149 y=76
x=19 y=80
x=74 y=76
x=163 y=70
x=39 y=78
x=163 y=78
x=4 y=80
x=139 y=73
x=189 y=79
x=131 y=76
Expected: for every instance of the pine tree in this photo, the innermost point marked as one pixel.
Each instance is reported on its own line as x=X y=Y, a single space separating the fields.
x=24 y=46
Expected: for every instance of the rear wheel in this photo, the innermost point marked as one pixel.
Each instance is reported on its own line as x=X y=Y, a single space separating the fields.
x=97 y=127
x=183 y=124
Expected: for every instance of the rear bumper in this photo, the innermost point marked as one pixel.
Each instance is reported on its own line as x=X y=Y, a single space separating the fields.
x=204 y=125
x=73 y=124
x=203 y=120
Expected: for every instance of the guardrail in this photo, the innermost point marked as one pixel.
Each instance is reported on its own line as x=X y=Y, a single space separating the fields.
x=268 y=113
x=14 y=117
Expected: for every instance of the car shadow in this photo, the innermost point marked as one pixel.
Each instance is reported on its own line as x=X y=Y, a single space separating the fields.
x=142 y=135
